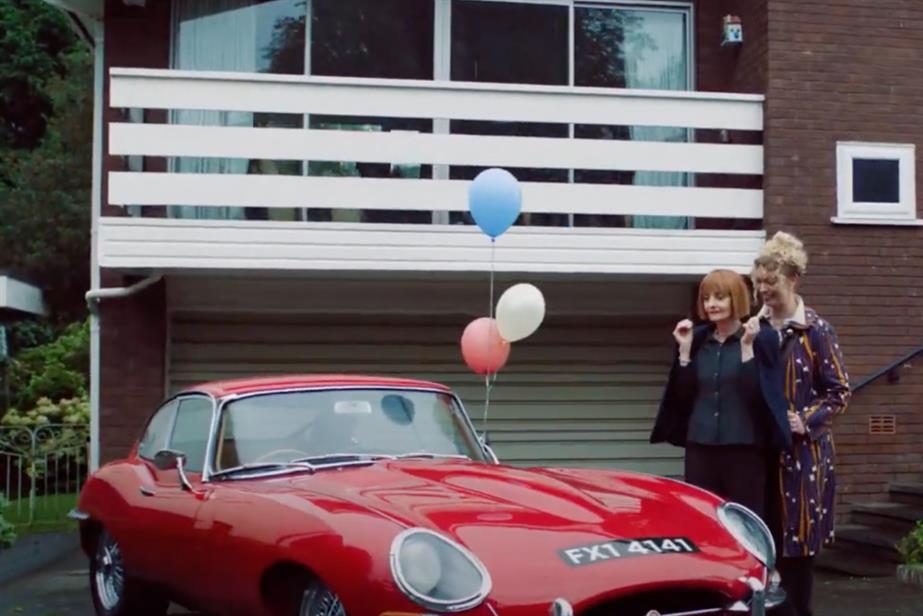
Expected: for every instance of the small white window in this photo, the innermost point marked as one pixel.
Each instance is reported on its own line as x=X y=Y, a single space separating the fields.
x=876 y=184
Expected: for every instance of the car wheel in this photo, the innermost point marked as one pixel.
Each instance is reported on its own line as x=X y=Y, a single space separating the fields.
x=318 y=600
x=116 y=594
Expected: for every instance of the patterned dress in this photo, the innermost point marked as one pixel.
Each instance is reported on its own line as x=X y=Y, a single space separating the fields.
x=817 y=388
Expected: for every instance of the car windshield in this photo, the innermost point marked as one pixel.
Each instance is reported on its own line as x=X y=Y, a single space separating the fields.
x=316 y=426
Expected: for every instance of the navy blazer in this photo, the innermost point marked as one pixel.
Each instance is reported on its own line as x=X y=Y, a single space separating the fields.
x=672 y=422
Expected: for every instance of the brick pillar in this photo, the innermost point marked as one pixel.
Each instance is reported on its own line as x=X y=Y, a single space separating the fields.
x=133 y=336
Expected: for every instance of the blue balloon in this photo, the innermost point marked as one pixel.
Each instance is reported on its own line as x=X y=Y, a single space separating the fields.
x=494 y=200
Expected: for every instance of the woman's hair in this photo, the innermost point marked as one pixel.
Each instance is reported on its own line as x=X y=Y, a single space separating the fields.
x=727 y=283
x=783 y=253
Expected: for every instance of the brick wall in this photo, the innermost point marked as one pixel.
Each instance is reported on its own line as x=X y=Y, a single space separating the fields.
x=851 y=70
x=736 y=68
x=132 y=330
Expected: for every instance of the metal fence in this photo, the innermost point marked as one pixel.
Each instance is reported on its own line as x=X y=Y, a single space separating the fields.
x=42 y=470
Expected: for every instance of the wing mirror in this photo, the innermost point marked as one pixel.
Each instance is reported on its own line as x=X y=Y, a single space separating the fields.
x=169 y=459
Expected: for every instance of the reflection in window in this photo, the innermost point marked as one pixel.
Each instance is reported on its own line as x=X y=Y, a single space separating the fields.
x=510 y=43
x=246 y=36
x=644 y=49
x=364 y=169
x=372 y=38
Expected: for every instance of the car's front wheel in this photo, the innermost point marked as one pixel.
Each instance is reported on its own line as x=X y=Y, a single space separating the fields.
x=318 y=600
x=114 y=592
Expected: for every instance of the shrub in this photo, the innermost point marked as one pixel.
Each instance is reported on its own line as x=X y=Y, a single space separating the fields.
x=911 y=546
x=56 y=370
x=7 y=533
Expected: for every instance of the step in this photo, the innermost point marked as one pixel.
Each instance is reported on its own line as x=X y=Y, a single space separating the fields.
x=854 y=563
x=876 y=543
x=899 y=517
x=907 y=492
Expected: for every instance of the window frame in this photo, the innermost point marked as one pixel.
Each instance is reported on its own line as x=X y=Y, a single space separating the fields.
x=904 y=212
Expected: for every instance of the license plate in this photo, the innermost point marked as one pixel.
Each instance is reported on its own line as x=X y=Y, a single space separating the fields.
x=625 y=548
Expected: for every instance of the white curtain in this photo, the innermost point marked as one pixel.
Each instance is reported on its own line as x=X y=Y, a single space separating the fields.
x=214 y=35
x=657 y=60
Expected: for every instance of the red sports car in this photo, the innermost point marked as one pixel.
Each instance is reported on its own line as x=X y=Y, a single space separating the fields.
x=337 y=495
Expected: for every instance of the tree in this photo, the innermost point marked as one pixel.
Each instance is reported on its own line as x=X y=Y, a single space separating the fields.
x=45 y=193
x=34 y=40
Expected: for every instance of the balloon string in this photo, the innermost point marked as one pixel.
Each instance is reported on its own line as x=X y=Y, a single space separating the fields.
x=493 y=246
x=489 y=378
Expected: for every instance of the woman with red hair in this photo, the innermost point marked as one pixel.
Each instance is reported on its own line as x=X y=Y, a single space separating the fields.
x=724 y=399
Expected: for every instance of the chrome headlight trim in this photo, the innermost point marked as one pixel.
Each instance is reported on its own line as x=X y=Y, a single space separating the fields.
x=432 y=603
x=749 y=543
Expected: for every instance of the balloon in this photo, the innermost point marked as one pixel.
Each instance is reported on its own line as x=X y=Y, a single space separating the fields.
x=494 y=200
x=484 y=350
x=520 y=311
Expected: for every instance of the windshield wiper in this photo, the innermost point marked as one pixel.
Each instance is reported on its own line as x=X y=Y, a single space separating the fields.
x=257 y=466
x=426 y=454
x=336 y=458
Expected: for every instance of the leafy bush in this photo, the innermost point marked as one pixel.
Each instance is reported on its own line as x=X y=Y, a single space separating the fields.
x=69 y=411
x=911 y=546
x=7 y=533
x=56 y=370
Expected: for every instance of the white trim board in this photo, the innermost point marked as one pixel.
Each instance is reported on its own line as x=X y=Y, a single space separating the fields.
x=173 y=245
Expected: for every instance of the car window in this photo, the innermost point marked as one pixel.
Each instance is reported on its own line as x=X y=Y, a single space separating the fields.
x=155 y=435
x=284 y=426
x=190 y=433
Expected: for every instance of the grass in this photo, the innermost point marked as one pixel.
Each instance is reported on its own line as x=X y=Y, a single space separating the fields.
x=50 y=513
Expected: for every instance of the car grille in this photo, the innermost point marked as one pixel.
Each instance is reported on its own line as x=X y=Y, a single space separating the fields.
x=664 y=602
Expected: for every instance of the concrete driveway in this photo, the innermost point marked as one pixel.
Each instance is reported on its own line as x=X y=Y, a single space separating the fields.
x=61 y=590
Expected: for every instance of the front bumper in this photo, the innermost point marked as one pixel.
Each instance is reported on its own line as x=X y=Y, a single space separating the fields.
x=761 y=600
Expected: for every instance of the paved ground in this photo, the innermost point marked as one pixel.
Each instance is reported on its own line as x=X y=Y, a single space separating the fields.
x=61 y=590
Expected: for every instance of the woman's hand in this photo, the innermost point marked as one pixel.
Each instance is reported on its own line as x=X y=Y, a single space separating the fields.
x=751 y=330
x=795 y=422
x=682 y=333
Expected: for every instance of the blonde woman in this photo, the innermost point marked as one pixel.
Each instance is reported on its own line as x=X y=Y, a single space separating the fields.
x=723 y=399
x=816 y=388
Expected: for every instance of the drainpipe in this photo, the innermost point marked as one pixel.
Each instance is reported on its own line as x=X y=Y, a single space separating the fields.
x=99 y=68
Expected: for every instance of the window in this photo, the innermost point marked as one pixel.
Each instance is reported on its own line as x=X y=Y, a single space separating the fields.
x=155 y=436
x=190 y=433
x=876 y=184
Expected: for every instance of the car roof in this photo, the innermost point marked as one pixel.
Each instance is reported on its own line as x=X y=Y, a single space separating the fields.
x=221 y=389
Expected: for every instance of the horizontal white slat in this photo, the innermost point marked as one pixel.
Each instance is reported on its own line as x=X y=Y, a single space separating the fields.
x=416 y=148
x=456 y=248
x=165 y=89
x=274 y=191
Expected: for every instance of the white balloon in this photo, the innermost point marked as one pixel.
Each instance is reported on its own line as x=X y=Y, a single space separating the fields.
x=520 y=311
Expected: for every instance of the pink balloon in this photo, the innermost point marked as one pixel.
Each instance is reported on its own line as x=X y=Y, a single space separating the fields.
x=484 y=350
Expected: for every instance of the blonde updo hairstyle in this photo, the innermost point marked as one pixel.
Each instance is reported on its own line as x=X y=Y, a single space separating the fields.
x=783 y=253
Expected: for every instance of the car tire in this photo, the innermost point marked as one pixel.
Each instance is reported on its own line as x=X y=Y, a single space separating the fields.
x=114 y=592
x=318 y=600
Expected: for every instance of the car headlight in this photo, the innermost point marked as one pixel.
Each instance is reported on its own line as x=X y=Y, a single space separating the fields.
x=436 y=572
x=750 y=531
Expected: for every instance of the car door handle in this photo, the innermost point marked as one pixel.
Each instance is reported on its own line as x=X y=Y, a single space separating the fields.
x=146 y=491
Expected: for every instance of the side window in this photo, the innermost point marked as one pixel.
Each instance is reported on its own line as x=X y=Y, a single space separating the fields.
x=190 y=433
x=155 y=436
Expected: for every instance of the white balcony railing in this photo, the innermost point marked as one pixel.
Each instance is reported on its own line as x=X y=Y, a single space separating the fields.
x=133 y=242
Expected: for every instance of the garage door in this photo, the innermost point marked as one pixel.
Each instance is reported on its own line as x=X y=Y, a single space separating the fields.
x=575 y=393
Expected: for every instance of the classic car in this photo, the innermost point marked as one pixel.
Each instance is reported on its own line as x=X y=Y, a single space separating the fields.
x=362 y=496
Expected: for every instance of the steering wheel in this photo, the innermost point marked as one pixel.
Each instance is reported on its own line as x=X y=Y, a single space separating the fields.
x=298 y=454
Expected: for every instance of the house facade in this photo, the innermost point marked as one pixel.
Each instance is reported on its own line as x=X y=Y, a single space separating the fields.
x=281 y=187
